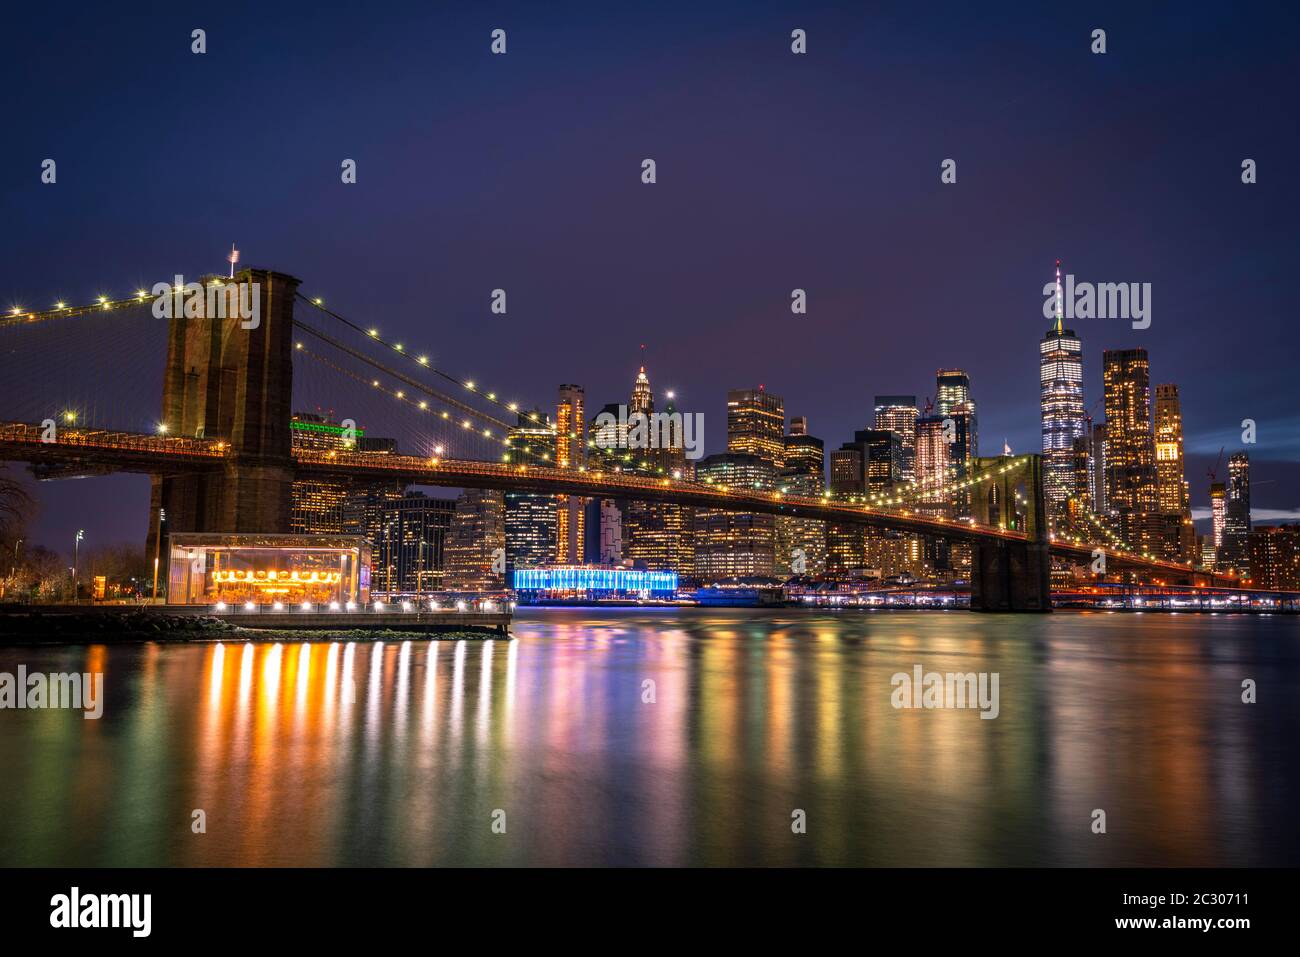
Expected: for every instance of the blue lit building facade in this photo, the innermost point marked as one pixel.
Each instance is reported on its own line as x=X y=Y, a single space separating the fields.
x=587 y=581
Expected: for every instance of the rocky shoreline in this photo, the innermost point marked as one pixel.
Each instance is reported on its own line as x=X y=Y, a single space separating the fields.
x=20 y=625
x=28 y=625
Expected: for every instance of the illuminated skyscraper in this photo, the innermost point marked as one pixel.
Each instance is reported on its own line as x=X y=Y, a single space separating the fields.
x=571 y=453
x=1060 y=375
x=756 y=425
x=657 y=536
x=1275 y=557
x=804 y=453
x=364 y=514
x=1171 y=487
x=317 y=506
x=952 y=386
x=476 y=543
x=324 y=506
x=931 y=459
x=607 y=437
x=801 y=542
x=1130 y=448
x=412 y=544
x=731 y=544
x=1173 y=494
x=1218 y=513
x=963 y=427
x=642 y=398
x=954 y=405
x=1100 y=503
x=531 y=520
x=898 y=413
x=868 y=468
x=1235 y=553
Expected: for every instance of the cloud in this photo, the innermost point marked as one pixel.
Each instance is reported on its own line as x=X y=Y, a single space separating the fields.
x=1201 y=514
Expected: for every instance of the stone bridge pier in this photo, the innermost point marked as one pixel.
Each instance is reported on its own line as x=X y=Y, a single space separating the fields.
x=1013 y=575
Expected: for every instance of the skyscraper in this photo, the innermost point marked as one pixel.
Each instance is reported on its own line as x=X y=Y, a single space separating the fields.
x=965 y=435
x=413 y=541
x=1130 y=448
x=476 y=543
x=1173 y=495
x=734 y=544
x=870 y=467
x=531 y=520
x=899 y=413
x=571 y=449
x=317 y=506
x=1060 y=375
x=363 y=514
x=804 y=454
x=756 y=425
x=952 y=386
x=801 y=542
x=931 y=459
x=657 y=536
x=1275 y=557
x=642 y=398
x=1100 y=503
x=611 y=533
x=1218 y=513
x=1235 y=553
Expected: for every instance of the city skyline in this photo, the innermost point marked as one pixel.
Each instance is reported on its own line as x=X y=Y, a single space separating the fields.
x=968 y=389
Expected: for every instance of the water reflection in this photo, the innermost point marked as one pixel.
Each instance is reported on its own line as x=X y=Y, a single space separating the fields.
x=685 y=737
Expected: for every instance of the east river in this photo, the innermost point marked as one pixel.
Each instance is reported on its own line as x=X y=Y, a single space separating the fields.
x=673 y=737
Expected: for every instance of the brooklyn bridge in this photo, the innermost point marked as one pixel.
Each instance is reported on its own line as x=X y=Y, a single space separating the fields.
x=221 y=456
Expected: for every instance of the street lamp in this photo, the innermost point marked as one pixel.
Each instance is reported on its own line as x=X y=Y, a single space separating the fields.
x=157 y=549
x=76 y=551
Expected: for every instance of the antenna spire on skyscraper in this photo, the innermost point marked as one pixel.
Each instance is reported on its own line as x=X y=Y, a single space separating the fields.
x=1060 y=312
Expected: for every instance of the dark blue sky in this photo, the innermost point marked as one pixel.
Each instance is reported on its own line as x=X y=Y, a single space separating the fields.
x=775 y=171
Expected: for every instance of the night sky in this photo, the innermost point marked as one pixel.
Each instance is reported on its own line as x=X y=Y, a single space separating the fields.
x=775 y=171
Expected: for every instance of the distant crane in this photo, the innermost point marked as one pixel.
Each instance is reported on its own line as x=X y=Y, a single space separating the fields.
x=1214 y=472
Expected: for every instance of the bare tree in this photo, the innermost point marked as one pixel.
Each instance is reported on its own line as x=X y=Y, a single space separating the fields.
x=15 y=503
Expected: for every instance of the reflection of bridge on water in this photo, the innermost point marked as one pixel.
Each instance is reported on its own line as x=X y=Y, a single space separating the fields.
x=233 y=386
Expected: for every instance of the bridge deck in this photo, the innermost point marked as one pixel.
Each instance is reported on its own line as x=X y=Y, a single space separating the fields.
x=160 y=454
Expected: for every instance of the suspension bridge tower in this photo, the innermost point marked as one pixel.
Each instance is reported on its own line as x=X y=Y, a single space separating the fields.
x=1013 y=575
x=230 y=378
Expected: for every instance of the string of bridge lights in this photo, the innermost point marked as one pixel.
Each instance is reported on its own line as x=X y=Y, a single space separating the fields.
x=423 y=405
x=545 y=457
x=102 y=303
x=61 y=309
x=422 y=360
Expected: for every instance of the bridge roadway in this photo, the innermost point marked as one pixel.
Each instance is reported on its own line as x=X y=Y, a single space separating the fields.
x=77 y=450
